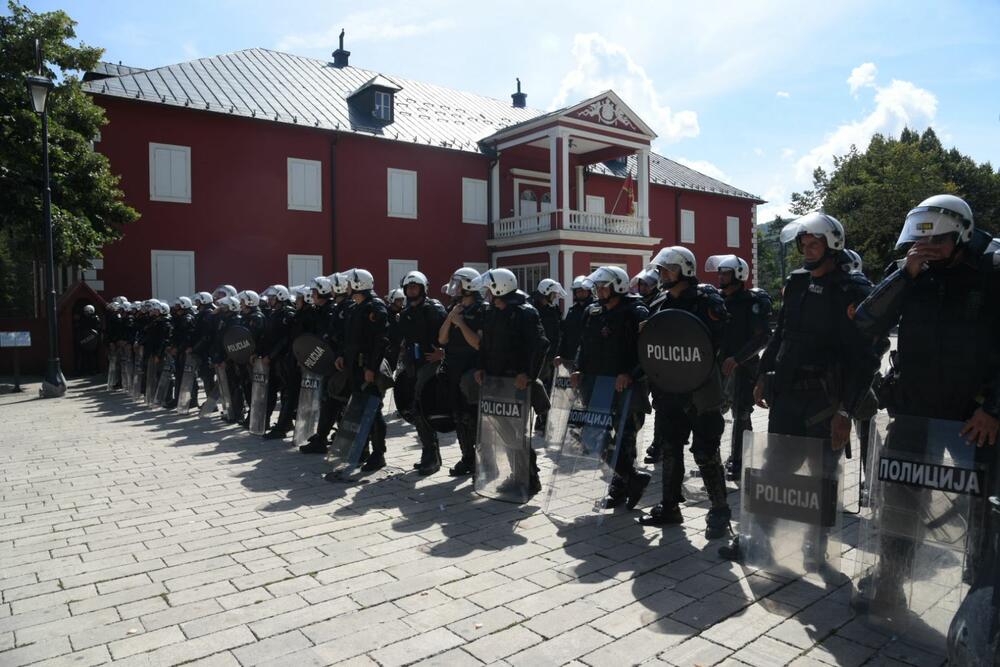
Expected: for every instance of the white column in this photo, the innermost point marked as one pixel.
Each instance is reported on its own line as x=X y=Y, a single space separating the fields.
x=495 y=185
x=642 y=177
x=564 y=175
x=553 y=171
x=567 y=278
x=553 y=265
x=580 y=200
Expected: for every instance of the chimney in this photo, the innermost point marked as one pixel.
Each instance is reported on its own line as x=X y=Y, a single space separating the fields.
x=340 y=56
x=519 y=99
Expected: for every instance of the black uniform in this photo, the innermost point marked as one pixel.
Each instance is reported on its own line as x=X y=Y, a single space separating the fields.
x=571 y=329
x=460 y=360
x=218 y=356
x=609 y=347
x=746 y=334
x=419 y=324
x=947 y=366
x=276 y=344
x=183 y=329
x=696 y=414
x=328 y=322
x=201 y=343
x=513 y=342
x=86 y=359
x=364 y=348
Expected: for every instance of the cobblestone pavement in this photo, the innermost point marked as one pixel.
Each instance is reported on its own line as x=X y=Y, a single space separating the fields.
x=137 y=536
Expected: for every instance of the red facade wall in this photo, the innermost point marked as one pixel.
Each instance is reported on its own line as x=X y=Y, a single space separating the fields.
x=238 y=222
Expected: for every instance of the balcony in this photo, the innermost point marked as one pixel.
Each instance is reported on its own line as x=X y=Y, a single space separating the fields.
x=575 y=221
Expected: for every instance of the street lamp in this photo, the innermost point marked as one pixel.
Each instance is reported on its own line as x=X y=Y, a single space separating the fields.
x=54 y=384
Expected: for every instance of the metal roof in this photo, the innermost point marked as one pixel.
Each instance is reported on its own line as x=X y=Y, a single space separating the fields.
x=285 y=88
x=665 y=171
x=105 y=69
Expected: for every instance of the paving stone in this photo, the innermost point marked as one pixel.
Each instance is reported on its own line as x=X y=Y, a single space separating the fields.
x=145 y=642
x=415 y=648
x=271 y=648
x=484 y=623
x=561 y=649
x=493 y=647
x=695 y=651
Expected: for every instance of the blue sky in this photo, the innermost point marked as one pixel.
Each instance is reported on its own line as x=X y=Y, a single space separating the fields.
x=756 y=93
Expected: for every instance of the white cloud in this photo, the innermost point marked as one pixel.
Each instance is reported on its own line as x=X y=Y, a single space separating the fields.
x=783 y=93
x=704 y=166
x=382 y=24
x=758 y=152
x=862 y=76
x=898 y=105
x=787 y=152
x=601 y=65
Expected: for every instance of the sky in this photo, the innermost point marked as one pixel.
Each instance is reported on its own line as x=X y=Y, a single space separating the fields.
x=756 y=94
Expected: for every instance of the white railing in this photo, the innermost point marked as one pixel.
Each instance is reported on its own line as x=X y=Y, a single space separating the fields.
x=525 y=224
x=604 y=223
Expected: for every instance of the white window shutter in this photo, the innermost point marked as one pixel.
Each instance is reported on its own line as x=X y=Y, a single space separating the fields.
x=304 y=191
x=474 y=201
x=402 y=196
x=687 y=226
x=733 y=232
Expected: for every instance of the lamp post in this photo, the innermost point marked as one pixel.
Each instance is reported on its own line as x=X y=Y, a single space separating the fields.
x=54 y=384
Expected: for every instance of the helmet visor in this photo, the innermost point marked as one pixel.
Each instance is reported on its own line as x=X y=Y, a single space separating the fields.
x=925 y=222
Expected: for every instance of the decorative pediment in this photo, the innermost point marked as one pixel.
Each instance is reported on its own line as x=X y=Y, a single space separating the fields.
x=608 y=110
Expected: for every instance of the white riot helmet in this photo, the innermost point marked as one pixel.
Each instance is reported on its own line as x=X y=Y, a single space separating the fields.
x=222 y=291
x=611 y=276
x=114 y=306
x=740 y=269
x=322 y=285
x=646 y=277
x=463 y=280
x=89 y=310
x=119 y=300
x=161 y=308
x=499 y=282
x=396 y=295
x=940 y=214
x=548 y=287
x=852 y=261
x=202 y=299
x=414 y=278
x=249 y=298
x=677 y=258
x=581 y=282
x=339 y=282
x=279 y=292
x=816 y=224
x=360 y=280
x=230 y=303
x=184 y=303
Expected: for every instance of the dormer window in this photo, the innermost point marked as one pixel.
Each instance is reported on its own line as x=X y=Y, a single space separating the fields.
x=383 y=106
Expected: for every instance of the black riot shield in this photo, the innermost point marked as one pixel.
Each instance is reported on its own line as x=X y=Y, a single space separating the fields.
x=112 y=368
x=238 y=343
x=790 y=507
x=89 y=340
x=188 y=378
x=307 y=412
x=676 y=351
x=918 y=548
x=561 y=401
x=503 y=448
x=225 y=395
x=434 y=402
x=166 y=381
x=258 y=398
x=353 y=429
x=585 y=465
x=314 y=354
x=152 y=381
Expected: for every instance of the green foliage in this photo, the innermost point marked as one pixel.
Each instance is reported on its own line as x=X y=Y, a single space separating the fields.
x=88 y=210
x=870 y=192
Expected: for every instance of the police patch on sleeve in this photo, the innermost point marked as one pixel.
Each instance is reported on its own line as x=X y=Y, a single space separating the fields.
x=755 y=309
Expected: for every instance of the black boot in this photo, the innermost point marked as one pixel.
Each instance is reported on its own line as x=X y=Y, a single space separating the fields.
x=430 y=460
x=277 y=432
x=654 y=453
x=732 y=550
x=463 y=468
x=317 y=444
x=662 y=515
x=375 y=462
x=637 y=484
x=717 y=521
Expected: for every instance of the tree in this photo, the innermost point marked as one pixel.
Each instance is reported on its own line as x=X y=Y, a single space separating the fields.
x=88 y=210
x=871 y=192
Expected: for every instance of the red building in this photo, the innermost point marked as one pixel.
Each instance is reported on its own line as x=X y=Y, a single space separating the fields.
x=258 y=167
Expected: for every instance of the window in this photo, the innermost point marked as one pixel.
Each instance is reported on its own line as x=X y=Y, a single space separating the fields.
x=529 y=275
x=474 y=201
x=170 y=173
x=398 y=268
x=402 y=193
x=173 y=274
x=303 y=268
x=304 y=190
x=687 y=226
x=733 y=232
x=528 y=203
x=383 y=106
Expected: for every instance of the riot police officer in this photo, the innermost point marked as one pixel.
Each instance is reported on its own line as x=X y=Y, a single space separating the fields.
x=646 y=284
x=158 y=334
x=513 y=345
x=697 y=413
x=363 y=350
x=419 y=324
x=609 y=347
x=327 y=325
x=746 y=334
x=459 y=336
x=572 y=325
x=182 y=321
x=228 y=316
x=546 y=301
x=88 y=325
x=943 y=295
x=276 y=344
x=253 y=318
x=200 y=342
x=395 y=302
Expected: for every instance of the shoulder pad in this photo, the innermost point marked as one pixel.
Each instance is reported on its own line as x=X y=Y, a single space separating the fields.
x=855 y=280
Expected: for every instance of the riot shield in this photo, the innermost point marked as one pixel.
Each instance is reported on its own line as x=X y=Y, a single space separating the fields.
x=138 y=373
x=258 y=398
x=188 y=378
x=166 y=380
x=307 y=412
x=585 y=465
x=152 y=380
x=314 y=354
x=676 y=351
x=503 y=446
x=561 y=402
x=225 y=395
x=790 y=505
x=928 y=492
x=128 y=368
x=112 y=368
x=434 y=399
x=353 y=429
x=238 y=343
